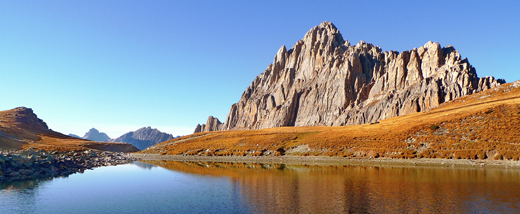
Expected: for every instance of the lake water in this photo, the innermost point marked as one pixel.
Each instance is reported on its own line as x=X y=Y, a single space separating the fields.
x=177 y=187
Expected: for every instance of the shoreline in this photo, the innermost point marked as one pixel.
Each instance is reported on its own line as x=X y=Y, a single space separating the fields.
x=31 y=164
x=334 y=161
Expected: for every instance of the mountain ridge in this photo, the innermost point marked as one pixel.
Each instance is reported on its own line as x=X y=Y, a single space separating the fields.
x=144 y=137
x=21 y=128
x=481 y=126
x=325 y=81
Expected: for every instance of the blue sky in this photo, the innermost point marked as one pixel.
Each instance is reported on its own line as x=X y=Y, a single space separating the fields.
x=121 y=65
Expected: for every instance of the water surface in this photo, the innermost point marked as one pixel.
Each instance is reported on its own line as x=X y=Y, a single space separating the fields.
x=177 y=187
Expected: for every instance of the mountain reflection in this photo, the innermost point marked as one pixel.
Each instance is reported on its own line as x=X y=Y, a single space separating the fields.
x=268 y=188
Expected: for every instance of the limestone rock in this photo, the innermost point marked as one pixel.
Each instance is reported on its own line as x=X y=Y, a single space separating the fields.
x=213 y=124
x=324 y=81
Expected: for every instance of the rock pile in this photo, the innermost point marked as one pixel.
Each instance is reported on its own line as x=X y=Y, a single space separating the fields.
x=30 y=164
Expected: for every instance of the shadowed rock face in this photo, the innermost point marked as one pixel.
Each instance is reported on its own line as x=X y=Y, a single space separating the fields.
x=144 y=137
x=324 y=81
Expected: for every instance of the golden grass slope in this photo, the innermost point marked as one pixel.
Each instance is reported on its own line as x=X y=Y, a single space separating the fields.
x=481 y=126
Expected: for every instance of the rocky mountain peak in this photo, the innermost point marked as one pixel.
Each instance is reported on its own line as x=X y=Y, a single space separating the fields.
x=27 y=117
x=324 y=81
x=21 y=123
x=94 y=135
x=144 y=137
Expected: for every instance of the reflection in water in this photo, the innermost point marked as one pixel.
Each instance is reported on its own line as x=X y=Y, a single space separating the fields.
x=143 y=165
x=363 y=189
x=199 y=187
x=22 y=194
x=23 y=184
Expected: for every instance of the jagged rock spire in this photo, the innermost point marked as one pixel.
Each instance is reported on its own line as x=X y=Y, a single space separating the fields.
x=323 y=80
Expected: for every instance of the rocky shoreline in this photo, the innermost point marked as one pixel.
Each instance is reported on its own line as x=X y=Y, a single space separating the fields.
x=331 y=161
x=31 y=164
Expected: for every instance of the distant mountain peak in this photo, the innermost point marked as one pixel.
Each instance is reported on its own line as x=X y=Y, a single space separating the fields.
x=94 y=135
x=144 y=137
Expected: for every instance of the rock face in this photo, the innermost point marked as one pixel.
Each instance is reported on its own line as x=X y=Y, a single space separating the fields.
x=144 y=137
x=324 y=81
x=94 y=135
x=213 y=124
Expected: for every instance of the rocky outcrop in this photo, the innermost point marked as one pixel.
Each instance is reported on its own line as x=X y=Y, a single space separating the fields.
x=213 y=124
x=26 y=117
x=94 y=135
x=144 y=137
x=20 y=123
x=323 y=80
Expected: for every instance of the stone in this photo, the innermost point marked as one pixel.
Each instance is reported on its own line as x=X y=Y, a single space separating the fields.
x=324 y=81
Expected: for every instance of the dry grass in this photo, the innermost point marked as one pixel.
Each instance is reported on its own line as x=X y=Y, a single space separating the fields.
x=21 y=131
x=480 y=126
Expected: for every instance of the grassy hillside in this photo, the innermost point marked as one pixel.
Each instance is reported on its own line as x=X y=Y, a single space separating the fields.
x=21 y=129
x=481 y=126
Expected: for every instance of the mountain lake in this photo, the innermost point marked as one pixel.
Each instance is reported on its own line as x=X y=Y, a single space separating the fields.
x=207 y=187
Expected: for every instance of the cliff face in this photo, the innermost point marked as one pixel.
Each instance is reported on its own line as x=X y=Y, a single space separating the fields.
x=212 y=124
x=144 y=137
x=325 y=81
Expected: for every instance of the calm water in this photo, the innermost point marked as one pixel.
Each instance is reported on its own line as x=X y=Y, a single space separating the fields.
x=176 y=187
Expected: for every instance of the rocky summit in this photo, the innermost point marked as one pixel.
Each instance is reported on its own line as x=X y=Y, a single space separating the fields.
x=144 y=137
x=94 y=135
x=323 y=80
x=19 y=125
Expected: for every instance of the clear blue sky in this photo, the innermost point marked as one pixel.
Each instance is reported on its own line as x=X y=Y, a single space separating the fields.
x=121 y=65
